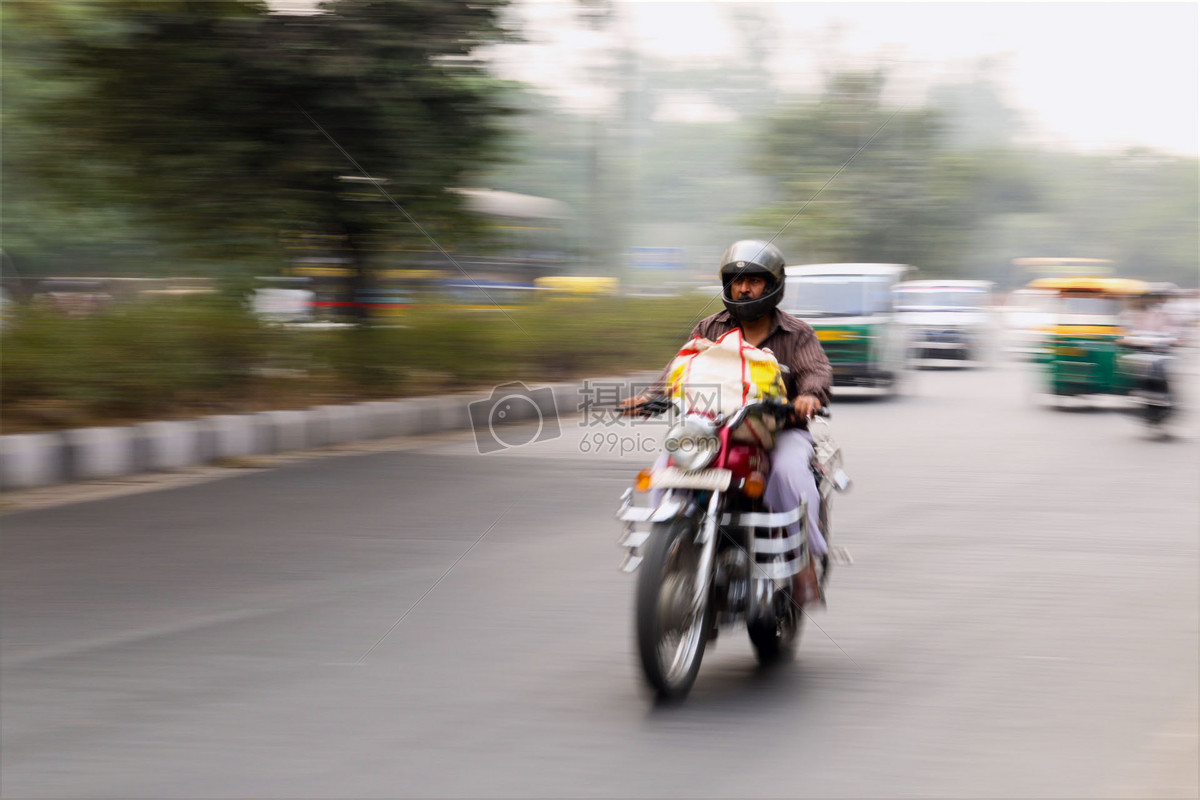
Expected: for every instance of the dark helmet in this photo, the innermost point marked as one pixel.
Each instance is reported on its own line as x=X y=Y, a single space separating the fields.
x=752 y=257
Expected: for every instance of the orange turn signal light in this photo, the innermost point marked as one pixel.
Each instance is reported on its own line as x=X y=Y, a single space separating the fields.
x=643 y=480
x=755 y=485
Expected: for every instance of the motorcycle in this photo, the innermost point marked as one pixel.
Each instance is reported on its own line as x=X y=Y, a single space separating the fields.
x=714 y=556
x=1147 y=361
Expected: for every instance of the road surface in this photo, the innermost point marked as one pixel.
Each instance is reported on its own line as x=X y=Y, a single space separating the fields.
x=421 y=620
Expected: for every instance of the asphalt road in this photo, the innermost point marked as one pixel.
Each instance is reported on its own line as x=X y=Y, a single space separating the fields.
x=1021 y=621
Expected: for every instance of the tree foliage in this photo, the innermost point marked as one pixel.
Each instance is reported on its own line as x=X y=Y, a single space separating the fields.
x=1139 y=209
x=947 y=187
x=131 y=125
x=859 y=181
x=204 y=118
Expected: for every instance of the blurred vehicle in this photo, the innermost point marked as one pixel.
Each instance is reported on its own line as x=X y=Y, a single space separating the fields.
x=1150 y=334
x=576 y=286
x=944 y=319
x=1025 y=318
x=1147 y=361
x=523 y=236
x=487 y=295
x=327 y=277
x=1082 y=352
x=284 y=300
x=510 y=241
x=1029 y=313
x=850 y=308
x=715 y=556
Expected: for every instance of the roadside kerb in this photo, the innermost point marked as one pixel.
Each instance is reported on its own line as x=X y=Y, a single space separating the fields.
x=31 y=459
x=238 y=435
x=338 y=424
x=432 y=415
x=166 y=444
x=92 y=453
x=286 y=430
x=394 y=418
x=41 y=459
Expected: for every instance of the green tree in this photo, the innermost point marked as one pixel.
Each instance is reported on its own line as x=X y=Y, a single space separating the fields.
x=976 y=116
x=224 y=125
x=946 y=188
x=1140 y=209
x=48 y=232
x=877 y=183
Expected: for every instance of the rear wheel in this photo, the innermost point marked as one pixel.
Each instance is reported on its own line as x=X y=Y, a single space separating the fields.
x=1156 y=402
x=1155 y=411
x=671 y=631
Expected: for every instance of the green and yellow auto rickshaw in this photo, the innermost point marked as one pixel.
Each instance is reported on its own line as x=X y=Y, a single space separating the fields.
x=1083 y=348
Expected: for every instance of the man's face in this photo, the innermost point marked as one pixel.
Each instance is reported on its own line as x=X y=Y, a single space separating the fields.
x=747 y=287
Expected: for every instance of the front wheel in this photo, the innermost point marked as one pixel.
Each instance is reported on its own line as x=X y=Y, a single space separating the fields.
x=775 y=637
x=671 y=632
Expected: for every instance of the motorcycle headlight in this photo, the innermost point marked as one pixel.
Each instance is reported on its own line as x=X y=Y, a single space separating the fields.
x=692 y=444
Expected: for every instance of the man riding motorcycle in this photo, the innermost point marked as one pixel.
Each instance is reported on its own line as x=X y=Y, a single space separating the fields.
x=1148 y=317
x=1149 y=335
x=752 y=284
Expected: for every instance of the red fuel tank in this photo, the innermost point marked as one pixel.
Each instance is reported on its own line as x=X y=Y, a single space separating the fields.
x=742 y=459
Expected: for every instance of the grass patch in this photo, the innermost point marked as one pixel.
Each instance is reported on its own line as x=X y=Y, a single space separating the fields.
x=181 y=357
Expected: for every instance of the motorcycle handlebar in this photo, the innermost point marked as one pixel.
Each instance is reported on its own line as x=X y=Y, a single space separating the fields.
x=662 y=403
x=781 y=408
x=784 y=405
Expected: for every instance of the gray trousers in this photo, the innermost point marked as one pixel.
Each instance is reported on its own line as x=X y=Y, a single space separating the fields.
x=790 y=482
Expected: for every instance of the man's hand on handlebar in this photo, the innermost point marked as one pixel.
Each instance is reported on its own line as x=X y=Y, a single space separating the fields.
x=806 y=406
x=644 y=405
x=633 y=406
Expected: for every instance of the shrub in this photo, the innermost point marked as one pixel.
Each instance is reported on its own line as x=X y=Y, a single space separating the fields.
x=169 y=357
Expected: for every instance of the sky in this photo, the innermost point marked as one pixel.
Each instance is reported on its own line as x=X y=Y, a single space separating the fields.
x=1091 y=76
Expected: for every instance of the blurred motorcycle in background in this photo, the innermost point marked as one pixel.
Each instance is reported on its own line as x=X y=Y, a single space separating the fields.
x=1147 y=360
